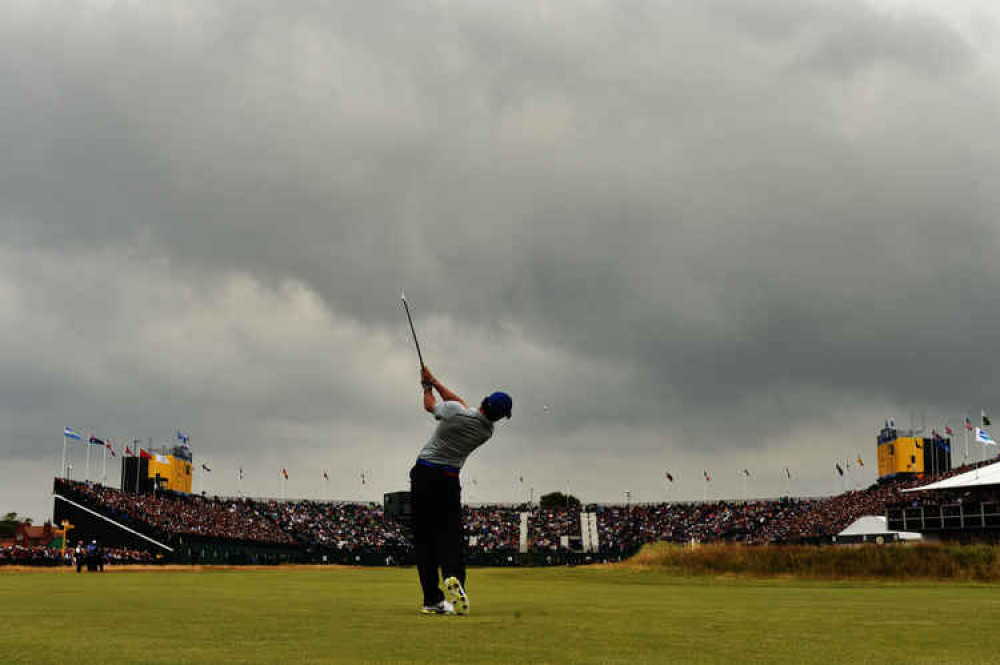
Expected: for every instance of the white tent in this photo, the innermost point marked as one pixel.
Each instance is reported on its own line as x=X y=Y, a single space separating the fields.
x=981 y=477
x=869 y=526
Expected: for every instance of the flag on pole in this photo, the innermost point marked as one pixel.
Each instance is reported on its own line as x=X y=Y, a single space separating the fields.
x=326 y=476
x=840 y=469
x=241 y=473
x=669 y=477
x=143 y=454
x=205 y=467
x=363 y=478
x=708 y=478
x=939 y=440
x=985 y=418
x=983 y=437
x=128 y=451
x=110 y=449
x=948 y=431
x=746 y=473
x=861 y=462
x=93 y=440
x=788 y=473
x=182 y=437
x=968 y=424
x=69 y=433
x=284 y=473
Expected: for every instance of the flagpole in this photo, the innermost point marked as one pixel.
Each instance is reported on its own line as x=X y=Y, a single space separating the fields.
x=965 y=426
x=86 y=475
x=104 y=464
x=63 y=470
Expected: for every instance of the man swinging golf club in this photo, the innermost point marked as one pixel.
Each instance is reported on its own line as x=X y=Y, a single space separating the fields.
x=436 y=494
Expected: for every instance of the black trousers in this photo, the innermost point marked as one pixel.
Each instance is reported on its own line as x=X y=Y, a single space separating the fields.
x=436 y=501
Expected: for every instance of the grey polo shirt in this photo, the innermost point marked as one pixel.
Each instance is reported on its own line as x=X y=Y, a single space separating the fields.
x=460 y=431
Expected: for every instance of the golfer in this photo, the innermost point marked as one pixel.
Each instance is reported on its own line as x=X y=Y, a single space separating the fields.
x=436 y=494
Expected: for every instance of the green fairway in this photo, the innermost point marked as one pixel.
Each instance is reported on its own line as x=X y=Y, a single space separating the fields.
x=584 y=615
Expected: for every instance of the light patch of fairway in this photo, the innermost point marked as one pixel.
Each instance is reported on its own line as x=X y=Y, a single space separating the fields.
x=585 y=615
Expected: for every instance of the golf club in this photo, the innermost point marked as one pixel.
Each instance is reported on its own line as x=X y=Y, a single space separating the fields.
x=402 y=296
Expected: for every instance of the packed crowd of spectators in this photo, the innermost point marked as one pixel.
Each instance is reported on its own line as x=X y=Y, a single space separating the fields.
x=171 y=514
x=547 y=526
x=624 y=528
x=357 y=527
x=17 y=555
x=340 y=526
x=40 y=555
x=492 y=528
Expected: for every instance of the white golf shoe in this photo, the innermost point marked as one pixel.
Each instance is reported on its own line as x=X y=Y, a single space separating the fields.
x=456 y=595
x=444 y=607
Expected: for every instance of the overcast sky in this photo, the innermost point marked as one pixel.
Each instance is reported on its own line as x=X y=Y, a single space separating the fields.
x=708 y=236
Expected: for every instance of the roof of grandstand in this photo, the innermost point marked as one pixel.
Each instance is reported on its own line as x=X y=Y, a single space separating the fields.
x=979 y=477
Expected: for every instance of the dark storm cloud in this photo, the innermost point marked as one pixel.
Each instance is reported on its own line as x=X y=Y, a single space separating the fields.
x=762 y=217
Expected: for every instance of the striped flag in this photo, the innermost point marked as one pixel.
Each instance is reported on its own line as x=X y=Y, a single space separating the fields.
x=983 y=437
x=69 y=433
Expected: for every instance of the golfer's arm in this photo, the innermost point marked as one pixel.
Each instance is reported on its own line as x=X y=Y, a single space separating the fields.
x=429 y=400
x=447 y=395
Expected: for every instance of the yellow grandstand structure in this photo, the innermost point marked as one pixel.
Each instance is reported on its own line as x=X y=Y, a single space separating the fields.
x=908 y=453
x=172 y=471
x=166 y=468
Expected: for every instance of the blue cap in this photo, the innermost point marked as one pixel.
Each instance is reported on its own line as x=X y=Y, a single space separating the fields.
x=499 y=404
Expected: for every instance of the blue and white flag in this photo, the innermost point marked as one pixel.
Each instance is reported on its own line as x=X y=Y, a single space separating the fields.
x=182 y=437
x=70 y=434
x=983 y=437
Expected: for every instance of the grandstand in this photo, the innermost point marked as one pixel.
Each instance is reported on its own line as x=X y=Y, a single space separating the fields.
x=183 y=527
x=963 y=505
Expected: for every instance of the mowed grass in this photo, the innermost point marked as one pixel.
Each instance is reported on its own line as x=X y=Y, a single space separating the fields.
x=561 y=615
